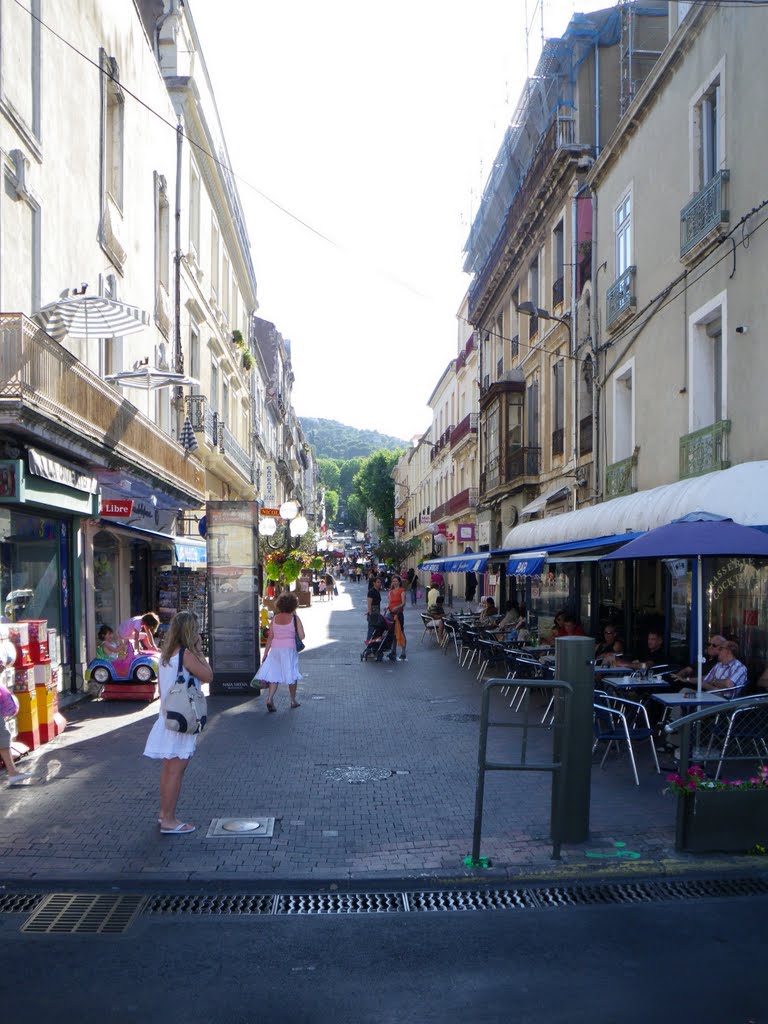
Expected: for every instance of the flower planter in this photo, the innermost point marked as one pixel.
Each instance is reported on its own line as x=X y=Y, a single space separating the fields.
x=722 y=821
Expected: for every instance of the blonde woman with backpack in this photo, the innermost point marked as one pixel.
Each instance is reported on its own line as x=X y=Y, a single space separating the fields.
x=174 y=749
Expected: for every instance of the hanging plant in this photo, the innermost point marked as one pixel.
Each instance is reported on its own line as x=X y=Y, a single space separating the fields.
x=238 y=339
x=247 y=360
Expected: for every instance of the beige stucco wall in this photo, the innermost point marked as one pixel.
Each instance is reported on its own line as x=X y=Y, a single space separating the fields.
x=655 y=164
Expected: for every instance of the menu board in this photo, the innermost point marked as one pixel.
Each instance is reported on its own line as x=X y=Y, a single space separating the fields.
x=232 y=550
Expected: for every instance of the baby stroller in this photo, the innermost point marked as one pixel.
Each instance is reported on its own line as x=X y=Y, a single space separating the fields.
x=381 y=632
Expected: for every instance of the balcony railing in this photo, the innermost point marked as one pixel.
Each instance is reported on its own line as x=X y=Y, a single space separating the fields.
x=42 y=382
x=489 y=477
x=204 y=420
x=522 y=462
x=463 y=429
x=705 y=450
x=458 y=503
x=620 y=478
x=620 y=299
x=702 y=218
x=585 y=435
x=514 y=346
x=558 y=441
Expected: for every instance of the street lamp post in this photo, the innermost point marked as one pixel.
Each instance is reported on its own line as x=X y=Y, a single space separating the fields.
x=296 y=526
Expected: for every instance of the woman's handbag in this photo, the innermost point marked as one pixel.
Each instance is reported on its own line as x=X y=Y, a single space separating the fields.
x=186 y=709
x=300 y=645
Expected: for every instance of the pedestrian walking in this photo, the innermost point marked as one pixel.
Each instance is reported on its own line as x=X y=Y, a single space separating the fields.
x=175 y=749
x=397 y=612
x=9 y=708
x=281 y=654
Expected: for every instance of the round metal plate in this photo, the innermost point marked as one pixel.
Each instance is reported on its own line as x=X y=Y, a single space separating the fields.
x=240 y=825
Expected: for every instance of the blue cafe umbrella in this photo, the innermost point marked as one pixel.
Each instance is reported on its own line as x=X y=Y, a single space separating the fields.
x=697 y=535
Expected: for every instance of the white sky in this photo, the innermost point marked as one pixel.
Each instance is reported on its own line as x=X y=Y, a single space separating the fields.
x=376 y=125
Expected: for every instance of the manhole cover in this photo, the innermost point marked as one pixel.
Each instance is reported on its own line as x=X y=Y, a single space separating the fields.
x=352 y=774
x=460 y=718
x=241 y=828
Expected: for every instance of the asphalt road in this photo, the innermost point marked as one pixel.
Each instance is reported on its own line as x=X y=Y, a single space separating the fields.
x=694 y=961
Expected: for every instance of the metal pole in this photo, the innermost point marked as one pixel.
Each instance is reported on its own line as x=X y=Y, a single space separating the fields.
x=480 y=785
x=575 y=658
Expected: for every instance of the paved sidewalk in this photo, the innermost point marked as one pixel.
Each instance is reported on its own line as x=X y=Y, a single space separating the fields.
x=89 y=813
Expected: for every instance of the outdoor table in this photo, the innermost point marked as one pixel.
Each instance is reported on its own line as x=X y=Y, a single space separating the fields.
x=626 y=683
x=677 y=700
x=537 y=652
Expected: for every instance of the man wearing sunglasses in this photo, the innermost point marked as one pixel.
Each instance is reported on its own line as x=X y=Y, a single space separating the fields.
x=712 y=647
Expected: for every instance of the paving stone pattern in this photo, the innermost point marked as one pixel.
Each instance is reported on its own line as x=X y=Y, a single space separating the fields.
x=90 y=811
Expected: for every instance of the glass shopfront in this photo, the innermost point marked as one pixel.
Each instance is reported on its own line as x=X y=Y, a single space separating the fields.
x=35 y=578
x=736 y=607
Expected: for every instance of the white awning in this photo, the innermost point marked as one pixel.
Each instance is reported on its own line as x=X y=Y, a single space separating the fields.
x=741 y=493
x=558 y=491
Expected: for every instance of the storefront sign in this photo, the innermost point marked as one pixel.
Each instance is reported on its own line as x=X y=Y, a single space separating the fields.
x=400 y=524
x=425 y=519
x=190 y=552
x=60 y=473
x=465 y=532
x=116 y=508
x=273 y=512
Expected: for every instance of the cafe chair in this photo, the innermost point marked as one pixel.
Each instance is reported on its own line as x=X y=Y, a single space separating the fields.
x=616 y=721
x=430 y=626
x=741 y=733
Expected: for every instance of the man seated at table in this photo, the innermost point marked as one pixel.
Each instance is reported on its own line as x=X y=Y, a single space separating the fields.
x=653 y=654
x=437 y=612
x=432 y=595
x=728 y=674
x=689 y=672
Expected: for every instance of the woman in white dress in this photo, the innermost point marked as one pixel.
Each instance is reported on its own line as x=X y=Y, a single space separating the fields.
x=281 y=659
x=174 y=748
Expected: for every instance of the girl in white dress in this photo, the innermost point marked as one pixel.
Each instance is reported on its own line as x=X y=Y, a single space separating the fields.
x=174 y=748
x=281 y=659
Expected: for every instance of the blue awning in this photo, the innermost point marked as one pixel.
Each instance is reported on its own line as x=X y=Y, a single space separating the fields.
x=472 y=562
x=529 y=564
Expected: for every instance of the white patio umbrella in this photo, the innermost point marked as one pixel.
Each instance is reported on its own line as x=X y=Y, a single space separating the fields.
x=149 y=378
x=90 y=316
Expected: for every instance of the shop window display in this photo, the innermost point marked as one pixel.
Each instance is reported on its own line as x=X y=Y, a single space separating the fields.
x=105 y=579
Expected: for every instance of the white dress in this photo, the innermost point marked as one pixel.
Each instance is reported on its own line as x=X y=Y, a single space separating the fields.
x=281 y=665
x=162 y=742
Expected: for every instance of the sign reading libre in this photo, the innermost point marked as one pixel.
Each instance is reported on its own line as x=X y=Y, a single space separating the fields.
x=116 y=507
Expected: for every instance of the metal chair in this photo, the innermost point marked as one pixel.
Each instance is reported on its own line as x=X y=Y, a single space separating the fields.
x=617 y=720
x=430 y=626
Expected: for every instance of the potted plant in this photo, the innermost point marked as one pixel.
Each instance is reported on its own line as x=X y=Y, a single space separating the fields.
x=717 y=815
x=238 y=339
x=247 y=360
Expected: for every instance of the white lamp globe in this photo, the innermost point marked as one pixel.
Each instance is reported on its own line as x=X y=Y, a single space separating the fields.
x=299 y=526
x=289 y=510
x=267 y=527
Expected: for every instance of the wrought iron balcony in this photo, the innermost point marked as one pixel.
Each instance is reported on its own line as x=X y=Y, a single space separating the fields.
x=522 y=462
x=489 y=477
x=558 y=441
x=620 y=478
x=702 y=218
x=43 y=387
x=463 y=429
x=705 y=450
x=217 y=435
x=620 y=299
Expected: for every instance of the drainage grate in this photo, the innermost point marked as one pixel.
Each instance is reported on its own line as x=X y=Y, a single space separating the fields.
x=236 y=904
x=352 y=774
x=18 y=902
x=114 y=914
x=64 y=914
x=496 y=899
x=342 y=903
x=460 y=718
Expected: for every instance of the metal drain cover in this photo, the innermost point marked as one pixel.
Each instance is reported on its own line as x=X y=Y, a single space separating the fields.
x=353 y=775
x=460 y=718
x=68 y=914
x=241 y=828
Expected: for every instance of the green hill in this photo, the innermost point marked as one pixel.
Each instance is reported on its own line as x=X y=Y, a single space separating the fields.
x=333 y=440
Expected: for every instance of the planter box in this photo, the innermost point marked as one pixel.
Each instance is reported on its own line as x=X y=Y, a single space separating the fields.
x=719 y=821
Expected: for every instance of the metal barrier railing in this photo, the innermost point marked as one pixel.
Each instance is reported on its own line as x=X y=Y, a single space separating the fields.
x=528 y=722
